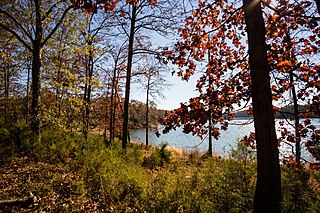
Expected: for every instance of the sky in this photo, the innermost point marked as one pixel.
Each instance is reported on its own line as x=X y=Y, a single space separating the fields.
x=179 y=91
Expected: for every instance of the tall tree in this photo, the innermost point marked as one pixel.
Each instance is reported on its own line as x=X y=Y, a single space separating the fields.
x=267 y=196
x=149 y=17
x=33 y=29
x=153 y=83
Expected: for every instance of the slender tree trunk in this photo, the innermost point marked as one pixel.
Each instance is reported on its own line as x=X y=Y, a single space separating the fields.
x=59 y=81
x=267 y=196
x=87 y=93
x=210 y=137
x=147 y=111
x=116 y=100
x=6 y=93
x=107 y=116
x=210 y=106
x=112 y=97
x=128 y=79
x=296 y=119
x=88 y=101
x=27 y=96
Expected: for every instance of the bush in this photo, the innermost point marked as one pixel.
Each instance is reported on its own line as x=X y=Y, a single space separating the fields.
x=298 y=193
x=14 y=138
x=158 y=158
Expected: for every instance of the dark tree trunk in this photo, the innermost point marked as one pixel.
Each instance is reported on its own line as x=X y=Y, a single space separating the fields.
x=35 y=103
x=296 y=119
x=112 y=103
x=318 y=5
x=6 y=92
x=210 y=108
x=128 y=80
x=267 y=196
x=210 y=137
x=147 y=111
x=88 y=101
x=36 y=66
x=27 y=96
x=87 y=93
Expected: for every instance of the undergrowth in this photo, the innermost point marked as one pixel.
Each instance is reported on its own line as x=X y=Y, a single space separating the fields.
x=77 y=175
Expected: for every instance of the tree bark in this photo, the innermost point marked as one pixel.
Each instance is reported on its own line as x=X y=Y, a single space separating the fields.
x=112 y=103
x=147 y=111
x=128 y=79
x=6 y=92
x=36 y=66
x=35 y=103
x=296 y=119
x=27 y=95
x=267 y=196
x=210 y=108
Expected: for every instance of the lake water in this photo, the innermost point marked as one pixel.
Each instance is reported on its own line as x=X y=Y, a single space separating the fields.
x=228 y=139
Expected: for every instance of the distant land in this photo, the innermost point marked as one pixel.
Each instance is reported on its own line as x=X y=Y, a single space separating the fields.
x=286 y=112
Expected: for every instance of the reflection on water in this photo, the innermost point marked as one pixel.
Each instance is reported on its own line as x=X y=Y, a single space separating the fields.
x=228 y=139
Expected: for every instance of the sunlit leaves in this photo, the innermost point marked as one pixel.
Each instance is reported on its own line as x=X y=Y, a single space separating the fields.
x=217 y=28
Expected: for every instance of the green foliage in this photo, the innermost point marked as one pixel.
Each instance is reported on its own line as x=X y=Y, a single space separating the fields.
x=158 y=158
x=87 y=175
x=300 y=190
x=14 y=137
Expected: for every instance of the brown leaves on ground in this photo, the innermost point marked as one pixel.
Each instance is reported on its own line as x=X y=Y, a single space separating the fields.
x=55 y=187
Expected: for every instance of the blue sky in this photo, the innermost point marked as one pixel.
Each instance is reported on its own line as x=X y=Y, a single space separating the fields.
x=180 y=91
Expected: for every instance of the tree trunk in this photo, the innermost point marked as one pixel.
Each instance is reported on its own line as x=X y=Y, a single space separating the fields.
x=318 y=5
x=27 y=96
x=36 y=66
x=87 y=92
x=35 y=103
x=88 y=101
x=210 y=137
x=128 y=79
x=147 y=111
x=267 y=196
x=6 y=92
x=296 y=119
x=210 y=108
x=112 y=109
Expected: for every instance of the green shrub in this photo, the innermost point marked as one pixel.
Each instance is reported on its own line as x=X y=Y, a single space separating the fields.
x=14 y=138
x=298 y=193
x=158 y=158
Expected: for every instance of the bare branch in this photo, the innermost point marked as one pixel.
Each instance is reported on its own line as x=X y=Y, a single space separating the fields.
x=16 y=35
x=17 y=23
x=57 y=26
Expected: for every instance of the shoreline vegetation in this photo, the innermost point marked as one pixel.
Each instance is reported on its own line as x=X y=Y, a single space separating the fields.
x=67 y=174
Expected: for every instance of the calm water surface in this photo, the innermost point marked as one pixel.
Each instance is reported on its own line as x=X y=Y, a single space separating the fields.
x=228 y=139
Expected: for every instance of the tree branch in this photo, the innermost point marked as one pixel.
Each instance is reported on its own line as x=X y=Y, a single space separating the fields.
x=56 y=27
x=17 y=23
x=16 y=35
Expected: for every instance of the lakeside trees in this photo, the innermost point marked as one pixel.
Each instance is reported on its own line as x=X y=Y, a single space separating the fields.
x=219 y=28
x=280 y=59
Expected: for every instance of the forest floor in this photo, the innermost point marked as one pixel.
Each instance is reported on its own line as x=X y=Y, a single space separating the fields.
x=46 y=183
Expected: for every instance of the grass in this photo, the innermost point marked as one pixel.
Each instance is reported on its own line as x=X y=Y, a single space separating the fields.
x=68 y=174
